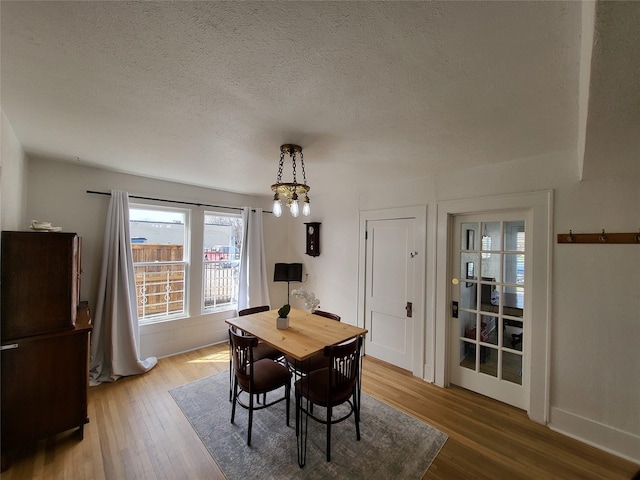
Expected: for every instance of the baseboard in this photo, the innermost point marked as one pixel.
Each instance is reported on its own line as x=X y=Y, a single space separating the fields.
x=192 y=349
x=617 y=442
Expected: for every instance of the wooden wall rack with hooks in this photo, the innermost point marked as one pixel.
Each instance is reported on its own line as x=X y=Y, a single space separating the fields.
x=602 y=237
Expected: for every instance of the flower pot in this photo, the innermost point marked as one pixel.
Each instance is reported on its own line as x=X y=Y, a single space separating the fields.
x=282 y=323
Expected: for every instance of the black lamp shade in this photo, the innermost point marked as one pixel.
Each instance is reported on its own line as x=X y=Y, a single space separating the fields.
x=287 y=272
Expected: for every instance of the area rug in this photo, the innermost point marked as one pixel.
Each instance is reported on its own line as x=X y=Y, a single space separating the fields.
x=393 y=445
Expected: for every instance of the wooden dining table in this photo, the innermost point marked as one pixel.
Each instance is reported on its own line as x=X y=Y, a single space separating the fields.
x=306 y=336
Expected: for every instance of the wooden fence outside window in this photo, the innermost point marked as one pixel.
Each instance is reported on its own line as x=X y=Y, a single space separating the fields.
x=160 y=280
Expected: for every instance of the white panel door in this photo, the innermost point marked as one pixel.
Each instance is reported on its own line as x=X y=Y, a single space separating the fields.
x=389 y=297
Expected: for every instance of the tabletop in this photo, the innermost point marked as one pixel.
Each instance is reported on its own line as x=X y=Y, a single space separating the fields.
x=307 y=334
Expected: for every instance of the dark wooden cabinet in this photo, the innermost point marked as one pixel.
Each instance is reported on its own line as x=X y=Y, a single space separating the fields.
x=45 y=338
x=40 y=282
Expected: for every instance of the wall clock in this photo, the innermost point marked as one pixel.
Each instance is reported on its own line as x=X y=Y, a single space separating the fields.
x=313 y=238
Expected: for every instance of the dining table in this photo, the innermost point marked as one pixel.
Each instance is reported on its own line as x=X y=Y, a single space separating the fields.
x=306 y=336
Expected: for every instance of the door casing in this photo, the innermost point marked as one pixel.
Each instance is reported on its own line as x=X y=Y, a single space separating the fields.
x=540 y=205
x=419 y=213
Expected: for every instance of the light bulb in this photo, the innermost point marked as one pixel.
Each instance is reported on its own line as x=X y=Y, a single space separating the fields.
x=295 y=210
x=277 y=207
x=306 y=208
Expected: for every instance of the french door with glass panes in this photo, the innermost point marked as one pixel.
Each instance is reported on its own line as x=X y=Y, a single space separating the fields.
x=489 y=326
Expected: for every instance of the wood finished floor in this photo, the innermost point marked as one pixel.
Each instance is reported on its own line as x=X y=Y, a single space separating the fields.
x=137 y=432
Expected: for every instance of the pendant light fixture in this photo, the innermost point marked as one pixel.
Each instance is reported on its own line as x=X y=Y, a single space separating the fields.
x=291 y=191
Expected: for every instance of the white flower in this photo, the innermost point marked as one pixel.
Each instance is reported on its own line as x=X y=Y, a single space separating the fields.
x=310 y=300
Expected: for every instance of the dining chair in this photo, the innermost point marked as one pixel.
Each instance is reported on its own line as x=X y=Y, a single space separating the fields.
x=317 y=361
x=255 y=377
x=263 y=350
x=332 y=386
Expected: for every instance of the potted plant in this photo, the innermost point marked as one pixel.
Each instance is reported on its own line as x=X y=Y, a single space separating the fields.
x=282 y=321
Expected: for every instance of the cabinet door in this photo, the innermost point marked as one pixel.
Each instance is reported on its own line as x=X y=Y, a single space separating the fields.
x=44 y=387
x=39 y=283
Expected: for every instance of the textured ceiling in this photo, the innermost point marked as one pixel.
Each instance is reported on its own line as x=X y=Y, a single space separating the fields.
x=204 y=93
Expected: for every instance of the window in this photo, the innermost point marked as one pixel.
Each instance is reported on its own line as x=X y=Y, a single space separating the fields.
x=160 y=249
x=221 y=259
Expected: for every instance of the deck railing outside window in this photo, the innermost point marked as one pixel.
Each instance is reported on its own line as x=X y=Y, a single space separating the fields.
x=220 y=283
x=160 y=289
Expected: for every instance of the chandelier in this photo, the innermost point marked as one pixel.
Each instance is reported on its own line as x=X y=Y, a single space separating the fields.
x=293 y=190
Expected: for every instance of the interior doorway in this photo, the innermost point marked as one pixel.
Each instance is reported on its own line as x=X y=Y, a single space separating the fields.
x=392 y=266
x=535 y=208
x=489 y=324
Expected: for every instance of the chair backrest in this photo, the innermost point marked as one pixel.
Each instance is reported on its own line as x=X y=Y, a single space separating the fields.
x=249 y=311
x=332 y=316
x=242 y=355
x=344 y=367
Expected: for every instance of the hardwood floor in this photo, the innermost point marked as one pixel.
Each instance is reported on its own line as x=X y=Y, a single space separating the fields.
x=138 y=432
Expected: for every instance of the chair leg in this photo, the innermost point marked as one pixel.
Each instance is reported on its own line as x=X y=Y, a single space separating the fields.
x=250 y=420
x=287 y=395
x=233 y=404
x=329 y=411
x=356 y=411
x=298 y=403
x=231 y=375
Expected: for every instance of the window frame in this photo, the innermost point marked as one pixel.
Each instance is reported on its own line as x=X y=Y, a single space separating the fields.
x=185 y=262
x=232 y=305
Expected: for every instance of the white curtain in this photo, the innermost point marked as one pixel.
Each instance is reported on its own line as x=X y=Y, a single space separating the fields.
x=115 y=341
x=253 y=290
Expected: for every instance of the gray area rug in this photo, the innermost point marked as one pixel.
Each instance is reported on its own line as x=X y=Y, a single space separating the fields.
x=393 y=445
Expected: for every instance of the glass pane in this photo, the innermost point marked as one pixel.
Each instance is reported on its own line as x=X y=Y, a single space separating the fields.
x=160 y=290
x=512 y=367
x=157 y=235
x=489 y=332
x=468 y=265
x=512 y=337
x=467 y=325
x=467 y=355
x=514 y=268
x=513 y=301
x=491 y=236
x=491 y=267
x=468 y=295
x=489 y=361
x=514 y=236
x=489 y=297
x=158 y=246
x=221 y=259
x=469 y=236
x=222 y=238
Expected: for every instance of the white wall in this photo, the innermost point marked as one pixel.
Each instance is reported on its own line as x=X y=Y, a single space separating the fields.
x=333 y=274
x=595 y=387
x=12 y=179
x=596 y=327
x=57 y=194
x=595 y=320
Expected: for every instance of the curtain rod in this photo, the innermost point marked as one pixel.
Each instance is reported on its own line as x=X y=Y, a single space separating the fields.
x=176 y=201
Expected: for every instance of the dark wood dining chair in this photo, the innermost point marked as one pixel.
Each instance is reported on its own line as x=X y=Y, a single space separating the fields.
x=332 y=386
x=263 y=350
x=251 y=310
x=317 y=361
x=255 y=377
